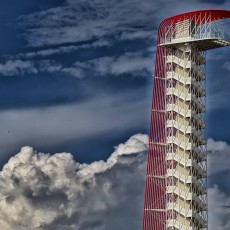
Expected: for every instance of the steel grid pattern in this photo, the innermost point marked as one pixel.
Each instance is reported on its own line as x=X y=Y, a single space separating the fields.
x=175 y=191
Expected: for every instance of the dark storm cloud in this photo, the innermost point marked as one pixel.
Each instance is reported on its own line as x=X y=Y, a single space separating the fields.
x=40 y=191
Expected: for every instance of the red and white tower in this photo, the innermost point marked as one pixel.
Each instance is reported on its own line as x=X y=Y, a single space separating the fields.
x=176 y=188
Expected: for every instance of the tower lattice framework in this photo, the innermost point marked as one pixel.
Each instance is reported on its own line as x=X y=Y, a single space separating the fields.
x=176 y=175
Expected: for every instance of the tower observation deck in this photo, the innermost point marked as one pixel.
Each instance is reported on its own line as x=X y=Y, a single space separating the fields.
x=176 y=187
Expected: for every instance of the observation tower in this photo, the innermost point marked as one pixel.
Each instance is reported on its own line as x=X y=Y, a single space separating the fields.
x=176 y=175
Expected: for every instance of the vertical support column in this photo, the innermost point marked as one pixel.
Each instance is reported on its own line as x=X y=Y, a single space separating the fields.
x=186 y=163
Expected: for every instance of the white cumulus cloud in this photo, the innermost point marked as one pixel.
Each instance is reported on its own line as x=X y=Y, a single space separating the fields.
x=219 y=206
x=43 y=191
x=218 y=157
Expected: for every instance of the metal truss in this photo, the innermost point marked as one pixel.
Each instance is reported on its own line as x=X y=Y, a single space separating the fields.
x=176 y=184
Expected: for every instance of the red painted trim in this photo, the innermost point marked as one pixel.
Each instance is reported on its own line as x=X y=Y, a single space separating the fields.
x=215 y=15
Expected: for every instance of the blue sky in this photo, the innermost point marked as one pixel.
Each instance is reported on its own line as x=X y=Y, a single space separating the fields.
x=66 y=53
x=76 y=76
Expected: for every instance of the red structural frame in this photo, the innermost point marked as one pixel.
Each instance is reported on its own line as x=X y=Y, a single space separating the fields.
x=155 y=188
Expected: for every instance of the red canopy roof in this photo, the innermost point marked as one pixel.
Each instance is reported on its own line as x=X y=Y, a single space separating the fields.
x=200 y=14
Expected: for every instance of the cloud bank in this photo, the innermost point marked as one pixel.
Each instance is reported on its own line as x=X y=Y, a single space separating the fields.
x=43 y=191
x=78 y=21
x=40 y=191
x=54 y=125
x=135 y=63
x=74 y=27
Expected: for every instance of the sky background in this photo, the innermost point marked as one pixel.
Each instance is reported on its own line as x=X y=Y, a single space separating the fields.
x=76 y=76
